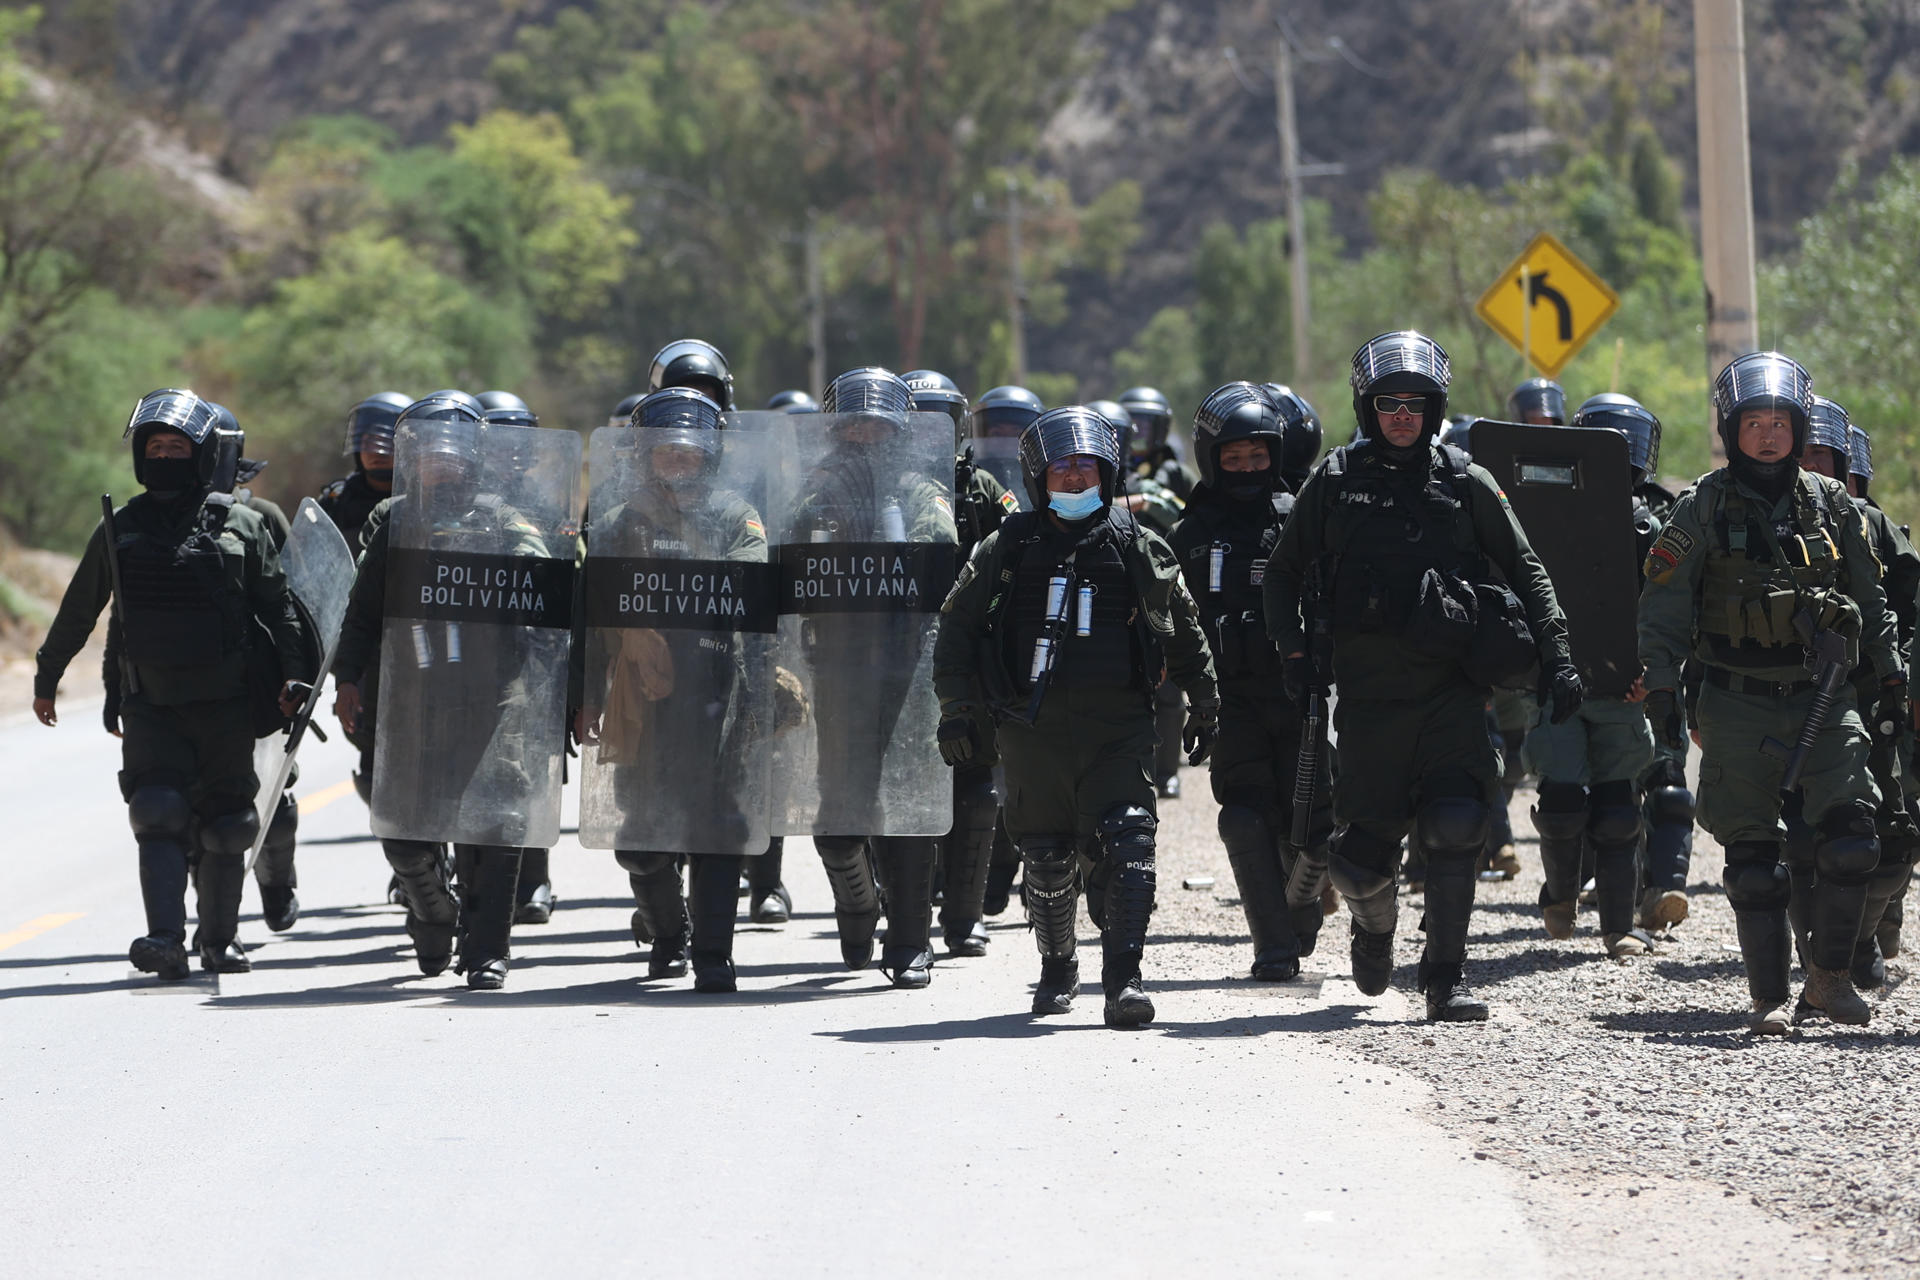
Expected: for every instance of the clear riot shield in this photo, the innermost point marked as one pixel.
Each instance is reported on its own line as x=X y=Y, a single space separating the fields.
x=1571 y=490
x=319 y=570
x=867 y=556
x=681 y=604
x=999 y=456
x=481 y=538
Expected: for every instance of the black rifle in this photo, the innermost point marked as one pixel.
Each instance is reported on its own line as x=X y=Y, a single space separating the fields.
x=1307 y=877
x=129 y=682
x=1827 y=660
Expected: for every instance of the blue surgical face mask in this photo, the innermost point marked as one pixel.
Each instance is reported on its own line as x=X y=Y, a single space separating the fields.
x=1074 y=506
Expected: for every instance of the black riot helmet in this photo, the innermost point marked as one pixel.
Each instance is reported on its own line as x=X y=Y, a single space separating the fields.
x=871 y=393
x=443 y=406
x=173 y=409
x=935 y=392
x=1401 y=364
x=1237 y=411
x=230 y=470
x=503 y=408
x=370 y=425
x=690 y=362
x=685 y=418
x=1116 y=414
x=1829 y=427
x=1152 y=419
x=1612 y=411
x=1300 y=431
x=1859 y=459
x=1005 y=411
x=1762 y=380
x=794 y=401
x=623 y=411
x=1539 y=402
x=446 y=450
x=1064 y=433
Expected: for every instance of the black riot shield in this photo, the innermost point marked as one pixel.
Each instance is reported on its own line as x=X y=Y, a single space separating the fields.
x=681 y=605
x=867 y=556
x=473 y=666
x=1572 y=491
x=319 y=571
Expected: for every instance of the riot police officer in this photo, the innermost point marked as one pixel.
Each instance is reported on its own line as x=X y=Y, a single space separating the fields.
x=981 y=502
x=1588 y=814
x=691 y=362
x=768 y=901
x=870 y=484
x=1158 y=487
x=1667 y=802
x=1064 y=617
x=1385 y=539
x=1232 y=522
x=1760 y=565
x=348 y=502
x=674 y=712
x=998 y=420
x=1831 y=439
x=1538 y=402
x=457 y=669
x=1150 y=451
x=190 y=574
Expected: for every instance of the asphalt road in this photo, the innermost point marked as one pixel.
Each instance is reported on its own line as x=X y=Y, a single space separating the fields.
x=335 y=1113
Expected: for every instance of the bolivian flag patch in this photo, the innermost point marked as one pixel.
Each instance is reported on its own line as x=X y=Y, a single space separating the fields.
x=1010 y=502
x=755 y=528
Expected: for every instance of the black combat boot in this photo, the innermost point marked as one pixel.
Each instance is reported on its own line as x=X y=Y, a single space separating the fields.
x=162 y=950
x=856 y=895
x=433 y=914
x=486 y=938
x=1448 y=997
x=1052 y=899
x=1255 y=860
x=769 y=903
x=222 y=880
x=711 y=907
x=533 y=898
x=966 y=855
x=660 y=919
x=1127 y=840
x=906 y=954
x=279 y=905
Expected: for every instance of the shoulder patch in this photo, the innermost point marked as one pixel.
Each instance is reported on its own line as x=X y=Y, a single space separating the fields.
x=1008 y=501
x=1673 y=545
x=943 y=504
x=755 y=527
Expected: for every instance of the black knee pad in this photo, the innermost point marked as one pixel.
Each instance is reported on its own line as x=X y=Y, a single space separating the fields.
x=230 y=834
x=638 y=863
x=1452 y=826
x=1846 y=859
x=1615 y=824
x=1126 y=832
x=1755 y=878
x=159 y=811
x=1369 y=857
x=1049 y=857
x=1673 y=804
x=1242 y=828
x=1560 y=824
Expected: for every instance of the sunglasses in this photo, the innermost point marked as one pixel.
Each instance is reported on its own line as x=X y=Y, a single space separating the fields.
x=1387 y=406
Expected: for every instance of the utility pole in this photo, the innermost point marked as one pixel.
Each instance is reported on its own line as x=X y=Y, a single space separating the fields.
x=1726 y=182
x=816 y=311
x=1296 y=214
x=1016 y=287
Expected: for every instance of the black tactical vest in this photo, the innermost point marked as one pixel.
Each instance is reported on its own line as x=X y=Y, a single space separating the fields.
x=1100 y=601
x=1385 y=527
x=1225 y=574
x=177 y=606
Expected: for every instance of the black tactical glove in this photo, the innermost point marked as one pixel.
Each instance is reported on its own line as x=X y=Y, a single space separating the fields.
x=1202 y=731
x=1663 y=713
x=110 y=709
x=1892 y=716
x=1561 y=692
x=1296 y=678
x=959 y=743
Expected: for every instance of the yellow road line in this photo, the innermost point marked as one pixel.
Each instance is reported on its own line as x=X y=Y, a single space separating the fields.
x=325 y=796
x=34 y=928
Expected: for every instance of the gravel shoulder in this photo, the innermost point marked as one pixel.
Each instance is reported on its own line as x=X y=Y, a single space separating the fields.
x=1645 y=1128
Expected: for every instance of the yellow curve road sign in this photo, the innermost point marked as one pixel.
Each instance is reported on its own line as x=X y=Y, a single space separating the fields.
x=1547 y=304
